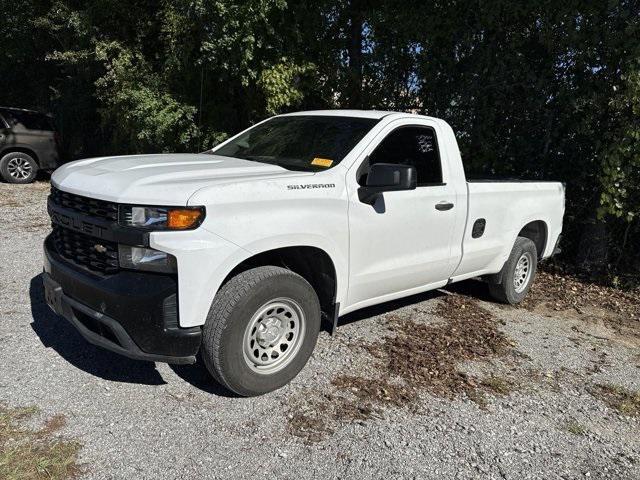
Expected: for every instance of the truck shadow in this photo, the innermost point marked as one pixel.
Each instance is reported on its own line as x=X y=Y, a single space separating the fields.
x=198 y=376
x=55 y=332
x=471 y=288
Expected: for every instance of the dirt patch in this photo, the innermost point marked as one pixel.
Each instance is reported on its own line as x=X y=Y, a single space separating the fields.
x=427 y=356
x=53 y=424
x=9 y=202
x=624 y=401
x=35 y=454
x=312 y=416
x=498 y=385
x=354 y=399
x=415 y=357
x=378 y=392
x=553 y=293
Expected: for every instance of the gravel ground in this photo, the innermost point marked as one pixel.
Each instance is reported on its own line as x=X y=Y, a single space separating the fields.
x=529 y=410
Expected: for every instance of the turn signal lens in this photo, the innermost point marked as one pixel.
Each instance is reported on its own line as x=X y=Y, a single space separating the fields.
x=183 y=218
x=161 y=218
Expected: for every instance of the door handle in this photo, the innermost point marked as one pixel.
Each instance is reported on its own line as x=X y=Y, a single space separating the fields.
x=444 y=206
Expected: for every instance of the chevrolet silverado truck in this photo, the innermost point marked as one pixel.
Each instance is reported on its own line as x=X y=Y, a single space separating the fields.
x=240 y=253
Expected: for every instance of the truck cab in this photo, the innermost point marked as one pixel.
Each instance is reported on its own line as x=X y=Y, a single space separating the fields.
x=241 y=252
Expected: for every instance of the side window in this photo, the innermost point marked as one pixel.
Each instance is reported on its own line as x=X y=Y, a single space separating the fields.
x=8 y=118
x=409 y=145
x=27 y=119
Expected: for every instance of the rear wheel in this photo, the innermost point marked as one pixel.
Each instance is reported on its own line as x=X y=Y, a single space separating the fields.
x=261 y=330
x=18 y=167
x=517 y=274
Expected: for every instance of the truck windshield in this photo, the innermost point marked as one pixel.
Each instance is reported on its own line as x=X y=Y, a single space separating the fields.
x=304 y=142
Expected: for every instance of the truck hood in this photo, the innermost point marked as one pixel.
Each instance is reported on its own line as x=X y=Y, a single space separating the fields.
x=168 y=179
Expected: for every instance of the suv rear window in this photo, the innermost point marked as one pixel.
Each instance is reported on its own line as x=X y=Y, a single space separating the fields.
x=29 y=120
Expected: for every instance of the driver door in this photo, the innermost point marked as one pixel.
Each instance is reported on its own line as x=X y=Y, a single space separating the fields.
x=402 y=243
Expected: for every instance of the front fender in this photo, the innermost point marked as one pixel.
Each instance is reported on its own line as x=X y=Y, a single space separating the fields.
x=205 y=260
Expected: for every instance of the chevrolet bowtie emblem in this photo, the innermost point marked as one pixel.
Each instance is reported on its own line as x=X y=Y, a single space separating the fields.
x=99 y=248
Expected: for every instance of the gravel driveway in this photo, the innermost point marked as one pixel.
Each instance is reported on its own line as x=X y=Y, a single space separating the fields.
x=441 y=385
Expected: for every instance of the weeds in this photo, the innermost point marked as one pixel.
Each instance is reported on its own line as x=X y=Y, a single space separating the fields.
x=624 y=401
x=576 y=428
x=498 y=385
x=27 y=454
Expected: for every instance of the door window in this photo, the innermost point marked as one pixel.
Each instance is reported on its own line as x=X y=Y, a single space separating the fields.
x=410 y=145
x=28 y=119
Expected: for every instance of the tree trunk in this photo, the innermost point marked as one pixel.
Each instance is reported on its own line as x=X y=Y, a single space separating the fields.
x=593 y=250
x=354 y=48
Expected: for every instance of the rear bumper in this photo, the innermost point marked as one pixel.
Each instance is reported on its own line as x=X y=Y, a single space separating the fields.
x=130 y=313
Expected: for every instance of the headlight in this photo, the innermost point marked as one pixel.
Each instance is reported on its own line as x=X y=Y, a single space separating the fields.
x=161 y=218
x=140 y=258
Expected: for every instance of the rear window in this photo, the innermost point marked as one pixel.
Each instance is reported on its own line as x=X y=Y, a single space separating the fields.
x=28 y=120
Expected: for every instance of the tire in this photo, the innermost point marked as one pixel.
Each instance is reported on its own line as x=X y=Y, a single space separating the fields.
x=517 y=274
x=18 y=167
x=252 y=316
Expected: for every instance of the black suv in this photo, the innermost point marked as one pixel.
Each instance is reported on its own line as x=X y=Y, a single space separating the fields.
x=28 y=143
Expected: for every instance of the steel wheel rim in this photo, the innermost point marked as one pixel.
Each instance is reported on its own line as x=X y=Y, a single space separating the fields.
x=19 y=168
x=522 y=272
x=273 y=336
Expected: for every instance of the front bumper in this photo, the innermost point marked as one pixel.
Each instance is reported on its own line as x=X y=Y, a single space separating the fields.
x=130 y=313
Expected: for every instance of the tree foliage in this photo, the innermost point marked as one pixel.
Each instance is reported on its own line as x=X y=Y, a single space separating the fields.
x=541 y=90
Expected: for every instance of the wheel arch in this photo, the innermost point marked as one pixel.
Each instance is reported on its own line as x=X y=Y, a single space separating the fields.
x=312 y=263
x=13 y=149
x=537 y=231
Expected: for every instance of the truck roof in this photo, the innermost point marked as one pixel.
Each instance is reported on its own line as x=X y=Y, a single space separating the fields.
x=375 y=114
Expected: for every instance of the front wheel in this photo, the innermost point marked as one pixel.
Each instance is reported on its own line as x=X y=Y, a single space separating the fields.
x=261 y=330
x=517 y=274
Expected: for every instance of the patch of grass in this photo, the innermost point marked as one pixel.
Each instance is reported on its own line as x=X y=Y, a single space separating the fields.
x=498 y=385
x=575 y=428
x=27 y=454
x=479 y=398
x=624 y=401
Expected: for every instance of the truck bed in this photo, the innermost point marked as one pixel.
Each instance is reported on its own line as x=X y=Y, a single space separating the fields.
x=506 y=207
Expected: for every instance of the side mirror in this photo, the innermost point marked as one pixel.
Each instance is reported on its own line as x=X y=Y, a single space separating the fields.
x=387 y=177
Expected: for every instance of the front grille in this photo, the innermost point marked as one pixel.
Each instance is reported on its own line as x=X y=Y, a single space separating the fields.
x=89 y=252
x=85 y=205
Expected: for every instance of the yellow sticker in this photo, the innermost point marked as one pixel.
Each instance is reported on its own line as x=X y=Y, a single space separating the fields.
x=322 y=162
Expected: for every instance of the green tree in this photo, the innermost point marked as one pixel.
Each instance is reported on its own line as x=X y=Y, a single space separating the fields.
x=538 y=90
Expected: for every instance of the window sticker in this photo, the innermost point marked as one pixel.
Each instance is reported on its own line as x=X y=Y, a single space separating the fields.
x=425 y=144
x=322 y=162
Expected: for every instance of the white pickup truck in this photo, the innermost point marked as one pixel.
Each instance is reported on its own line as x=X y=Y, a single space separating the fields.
x=241 y=252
